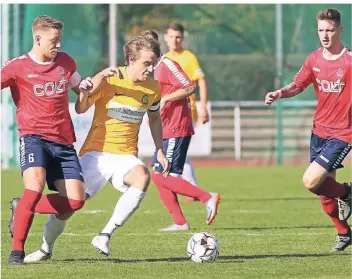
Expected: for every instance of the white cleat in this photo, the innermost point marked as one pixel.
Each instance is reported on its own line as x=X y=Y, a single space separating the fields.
x=212 y=207
x=102 y=243
x=175 y=227
x=37 y=256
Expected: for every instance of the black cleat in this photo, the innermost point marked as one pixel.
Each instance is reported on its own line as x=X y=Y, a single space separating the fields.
x=13 y=206
x=342 y=242
x=345 y=203
x=16 y=257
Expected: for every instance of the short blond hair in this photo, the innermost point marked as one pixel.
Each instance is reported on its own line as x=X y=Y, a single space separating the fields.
x=133 y=47
x=46 y=22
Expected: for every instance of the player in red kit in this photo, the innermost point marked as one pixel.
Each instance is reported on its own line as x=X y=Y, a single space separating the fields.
x=176 y=118
x=39 y=82
x=329 y=69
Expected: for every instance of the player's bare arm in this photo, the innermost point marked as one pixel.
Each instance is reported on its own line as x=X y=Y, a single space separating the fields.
x=100 y=78
x=203 y=95
x=177 y=95
x=82 y=104
x=157 y=134
x=288 y=91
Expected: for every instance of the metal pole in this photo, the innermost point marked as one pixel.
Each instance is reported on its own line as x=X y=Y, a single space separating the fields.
x=112 y=35
x=278 y=37
x=16 y=30
x=237 y=132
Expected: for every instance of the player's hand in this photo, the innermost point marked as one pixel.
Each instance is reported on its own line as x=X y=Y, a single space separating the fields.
x=271 y=97
x=204 y=114
x=162 y=103
x=109 y=72
x=164 y=162
x=85 y=85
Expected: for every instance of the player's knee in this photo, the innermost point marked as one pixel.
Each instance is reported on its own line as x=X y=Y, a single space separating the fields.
x=139 y=177
x=76 y=204
x=310 y=182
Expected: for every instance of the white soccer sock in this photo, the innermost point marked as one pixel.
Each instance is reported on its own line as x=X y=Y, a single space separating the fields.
x=53 y=228
x=125 y=206
x=188 y=173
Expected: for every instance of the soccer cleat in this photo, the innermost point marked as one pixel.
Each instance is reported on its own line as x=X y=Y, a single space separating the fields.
x=190 y=199
x=37 y=256
x=175 y=227
x=102 y=243
x=212 y=207
x=16 y=257
x=13 y=206
x=345 y=203
x=342 y=242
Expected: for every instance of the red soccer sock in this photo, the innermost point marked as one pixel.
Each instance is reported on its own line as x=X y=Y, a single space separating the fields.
x=24 y=215
x=170 y=201
x=180 y=186
x=330 y=208
x=331 y=188
x=56 y=204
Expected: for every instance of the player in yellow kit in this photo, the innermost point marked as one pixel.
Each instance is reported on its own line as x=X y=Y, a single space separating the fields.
x=189 y=63
x=121 y=96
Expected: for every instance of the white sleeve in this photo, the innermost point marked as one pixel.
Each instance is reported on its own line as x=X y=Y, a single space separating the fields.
x=74 y=80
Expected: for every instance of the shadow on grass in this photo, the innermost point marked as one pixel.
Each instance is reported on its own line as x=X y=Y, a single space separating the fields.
x=221 y=259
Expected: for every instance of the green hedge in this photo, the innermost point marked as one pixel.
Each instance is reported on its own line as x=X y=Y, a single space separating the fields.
x=238 y=77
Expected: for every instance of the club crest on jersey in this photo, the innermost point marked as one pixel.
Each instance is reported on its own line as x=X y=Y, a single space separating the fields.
x=60 y=70
x=145 y=99
x=339 y=73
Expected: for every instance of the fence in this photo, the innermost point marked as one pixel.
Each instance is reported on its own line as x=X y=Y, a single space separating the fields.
x=252 y=132
x=241 y=131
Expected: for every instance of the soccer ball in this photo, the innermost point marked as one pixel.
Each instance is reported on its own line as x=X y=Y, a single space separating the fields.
x=203 y=248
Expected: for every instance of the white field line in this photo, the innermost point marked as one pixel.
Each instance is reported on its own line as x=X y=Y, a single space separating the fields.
x=91 y=211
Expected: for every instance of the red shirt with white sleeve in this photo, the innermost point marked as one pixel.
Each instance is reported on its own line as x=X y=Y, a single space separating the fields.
x=332 y=84
x=40 y=93
x=176 y=116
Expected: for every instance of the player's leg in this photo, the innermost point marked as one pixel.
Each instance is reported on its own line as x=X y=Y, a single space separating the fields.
x=33 y=159
x=132 y=178
x=330 y=207
x=320 y=150
x=170 y=201
x=189 y=175
x=66 y=178
x=95 y=179
x=176 y=150
x=328 y=155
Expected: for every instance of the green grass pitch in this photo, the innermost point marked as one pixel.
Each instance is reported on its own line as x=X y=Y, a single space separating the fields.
x=268 y=226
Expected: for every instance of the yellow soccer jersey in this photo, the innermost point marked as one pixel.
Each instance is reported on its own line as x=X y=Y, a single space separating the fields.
x=190 y=65
x=119 y=109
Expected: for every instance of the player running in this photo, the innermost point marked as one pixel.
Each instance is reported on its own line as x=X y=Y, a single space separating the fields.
x=329 y=69
x=39 y=82
x=189 y=63
x=176 y=117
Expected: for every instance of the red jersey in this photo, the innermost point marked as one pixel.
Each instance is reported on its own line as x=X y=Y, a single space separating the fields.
x=332 y=83
x=176 y=116
x=40 y=93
